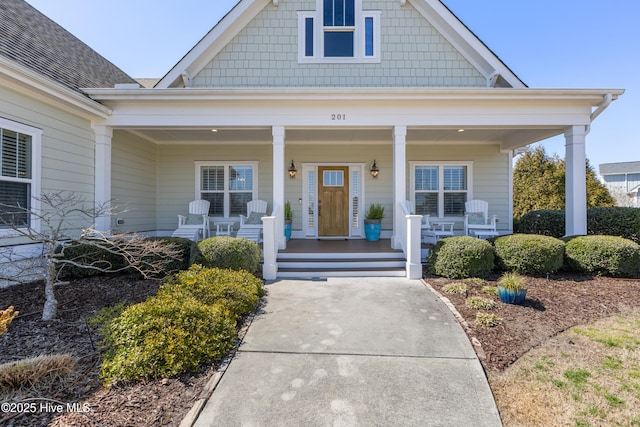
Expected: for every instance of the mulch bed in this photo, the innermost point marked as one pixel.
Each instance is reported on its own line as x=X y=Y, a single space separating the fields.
x=553 y=305
x=162 y=402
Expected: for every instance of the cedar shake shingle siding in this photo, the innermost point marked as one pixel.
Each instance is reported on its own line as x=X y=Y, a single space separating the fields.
x=34 y=41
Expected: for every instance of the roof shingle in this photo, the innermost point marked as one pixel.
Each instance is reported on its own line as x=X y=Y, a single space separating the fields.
x=34 y=41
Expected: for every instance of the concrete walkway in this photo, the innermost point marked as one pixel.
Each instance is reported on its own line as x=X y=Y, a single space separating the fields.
x=353 y=352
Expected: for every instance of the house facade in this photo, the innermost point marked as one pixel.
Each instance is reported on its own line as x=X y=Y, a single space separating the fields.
x=623 y=181
x=328 y=88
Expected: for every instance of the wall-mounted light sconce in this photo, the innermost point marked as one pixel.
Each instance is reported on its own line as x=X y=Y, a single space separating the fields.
x=292 y=170
x=374 y=170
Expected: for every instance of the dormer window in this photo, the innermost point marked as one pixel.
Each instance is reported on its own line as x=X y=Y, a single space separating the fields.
x=339 y=31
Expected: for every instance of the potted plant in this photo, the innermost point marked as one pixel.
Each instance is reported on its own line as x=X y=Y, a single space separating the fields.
x=512 y=288
x=372 y=221
x=288 y=217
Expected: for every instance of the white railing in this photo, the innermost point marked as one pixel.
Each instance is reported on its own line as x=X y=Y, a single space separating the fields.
x=410 y=240
x=272 y=234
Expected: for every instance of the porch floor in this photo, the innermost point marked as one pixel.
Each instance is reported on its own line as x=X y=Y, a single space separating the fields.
x=338 y=246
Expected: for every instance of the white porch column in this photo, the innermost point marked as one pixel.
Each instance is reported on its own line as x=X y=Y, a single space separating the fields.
x=399 y=182
x=102 y=180
x=278 y=183
x=576 y=181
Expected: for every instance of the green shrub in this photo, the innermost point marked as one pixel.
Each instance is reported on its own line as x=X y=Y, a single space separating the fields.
x=84 y=254
x=164 y=336
x=229 y=252
x=529 y=253
x=461 y=256
x=545 y=222
x=607 y=221
x=187 y=254
x=603 y=255
x=236 y=292
x=614 y=221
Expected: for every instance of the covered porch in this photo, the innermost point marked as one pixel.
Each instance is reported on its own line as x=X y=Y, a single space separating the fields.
x=265 y=131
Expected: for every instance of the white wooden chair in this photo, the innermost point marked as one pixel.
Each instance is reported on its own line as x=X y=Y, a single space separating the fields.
x=251 y=224
x=195 y=225
x=432 y=231
x=477 y=221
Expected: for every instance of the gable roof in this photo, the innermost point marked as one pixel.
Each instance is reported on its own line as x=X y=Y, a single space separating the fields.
x=34 y=41
x=434 y=11
x=619 y=168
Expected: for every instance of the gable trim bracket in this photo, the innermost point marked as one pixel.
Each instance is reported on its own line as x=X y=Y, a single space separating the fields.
x=275 y=3
x=403 y=3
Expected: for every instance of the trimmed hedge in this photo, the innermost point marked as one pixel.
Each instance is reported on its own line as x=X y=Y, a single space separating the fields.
x=164 y=336
x=529 y=253
x=460 y=257
x=615 y=221
x=235 y=292
x=606 y=221
x=229 y=252
x=544 y=222
x=603 y=255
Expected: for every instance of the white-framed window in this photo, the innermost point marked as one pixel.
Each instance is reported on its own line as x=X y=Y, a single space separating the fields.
x=440 y=189
x=20 y=147
x=339 y=31
x=228 y=186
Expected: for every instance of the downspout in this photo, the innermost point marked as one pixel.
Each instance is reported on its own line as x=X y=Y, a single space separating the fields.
x=608 y=98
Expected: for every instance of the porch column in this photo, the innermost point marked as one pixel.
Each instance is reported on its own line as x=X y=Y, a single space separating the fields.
x=102 y=180
x=399 y=183
x=278 y=184
x=576 y=181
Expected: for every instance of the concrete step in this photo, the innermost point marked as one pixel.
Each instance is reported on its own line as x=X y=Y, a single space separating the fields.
x=351 y=264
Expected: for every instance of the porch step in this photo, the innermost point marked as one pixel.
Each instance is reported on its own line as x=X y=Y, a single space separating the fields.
x=348 y=264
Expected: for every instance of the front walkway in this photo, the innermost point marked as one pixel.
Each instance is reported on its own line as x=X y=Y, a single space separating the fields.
x=353 y=352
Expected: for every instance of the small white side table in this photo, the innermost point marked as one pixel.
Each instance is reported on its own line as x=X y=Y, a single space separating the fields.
x=224 y=228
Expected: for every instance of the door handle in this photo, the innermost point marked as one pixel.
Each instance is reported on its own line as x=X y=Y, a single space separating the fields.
x=319 y=207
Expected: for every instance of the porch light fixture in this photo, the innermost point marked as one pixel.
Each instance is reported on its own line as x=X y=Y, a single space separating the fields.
x=374 y=170
x=292 y=170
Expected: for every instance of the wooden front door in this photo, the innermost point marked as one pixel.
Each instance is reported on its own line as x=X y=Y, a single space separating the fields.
x=333 y=201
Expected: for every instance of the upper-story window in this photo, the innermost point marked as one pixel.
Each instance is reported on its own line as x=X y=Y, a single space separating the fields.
x=339 y=31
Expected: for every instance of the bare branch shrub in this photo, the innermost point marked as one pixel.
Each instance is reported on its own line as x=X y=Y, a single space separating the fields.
x=64 y=219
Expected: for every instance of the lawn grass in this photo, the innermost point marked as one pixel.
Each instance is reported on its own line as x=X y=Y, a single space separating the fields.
x=586 y=376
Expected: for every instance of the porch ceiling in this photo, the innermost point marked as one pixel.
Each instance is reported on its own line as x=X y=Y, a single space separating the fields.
x=508 y=138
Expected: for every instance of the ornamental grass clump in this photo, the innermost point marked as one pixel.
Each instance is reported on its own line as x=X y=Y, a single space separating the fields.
x=487 y=320
x=455 y=288
x=529 y=254
x=603 y=255
x=512 y=281
x=480 y=303
x=36 y=372
x=460 y=257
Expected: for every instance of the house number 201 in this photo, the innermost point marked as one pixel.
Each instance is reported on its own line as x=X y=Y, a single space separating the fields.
x=338 y=117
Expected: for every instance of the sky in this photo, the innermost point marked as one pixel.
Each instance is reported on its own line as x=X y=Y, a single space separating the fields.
x=547 y=43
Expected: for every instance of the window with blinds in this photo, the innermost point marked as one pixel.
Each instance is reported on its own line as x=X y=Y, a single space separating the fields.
x=15 y=178
x=227 y=187
x=440 y=190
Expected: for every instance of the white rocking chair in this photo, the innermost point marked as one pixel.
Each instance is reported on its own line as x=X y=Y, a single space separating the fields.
x=477 y=221
x=251 y=225
x=194 y=226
